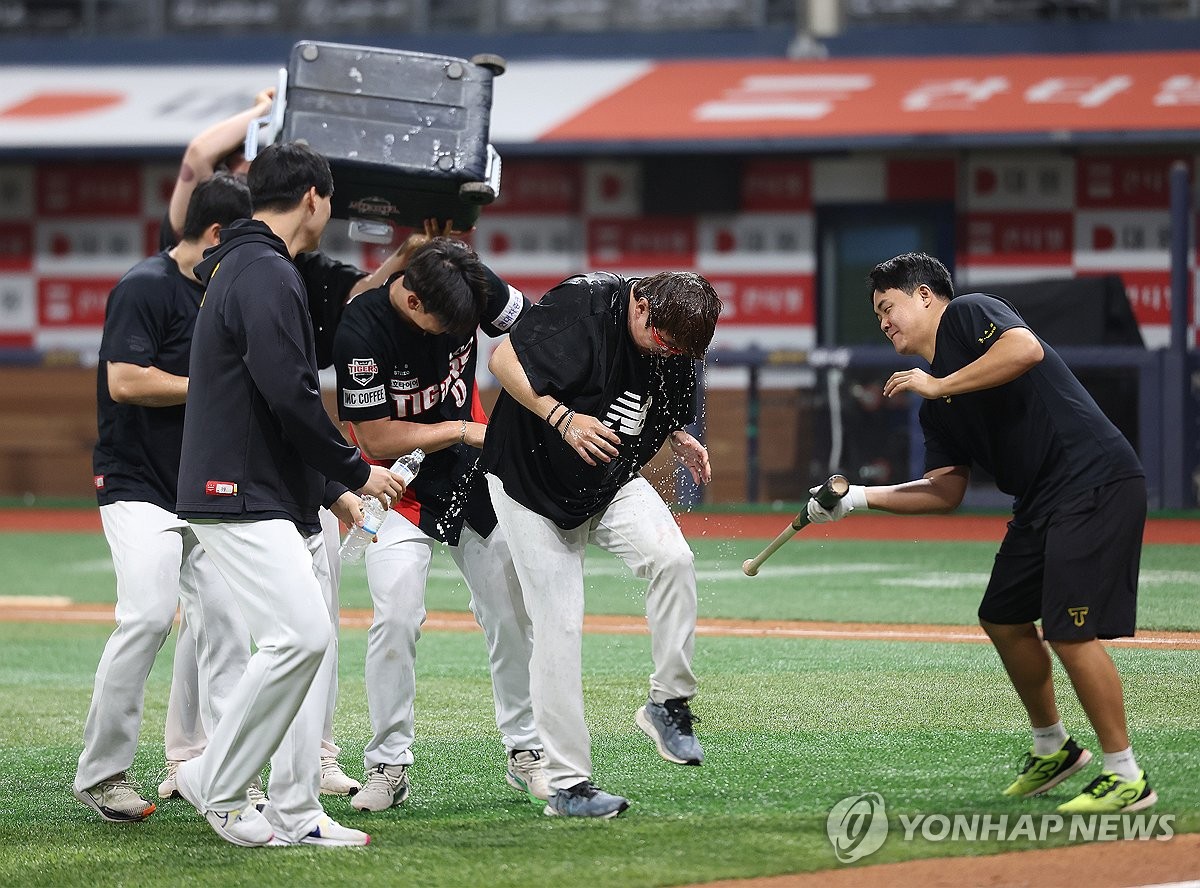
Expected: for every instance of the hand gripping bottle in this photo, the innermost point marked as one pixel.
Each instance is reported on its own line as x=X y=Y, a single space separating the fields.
x=357 y=540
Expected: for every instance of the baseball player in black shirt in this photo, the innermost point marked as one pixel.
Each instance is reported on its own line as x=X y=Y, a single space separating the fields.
x=260 y=456
x=999 y=397
x=141 y=386
x=406 y=356
x=597 y=376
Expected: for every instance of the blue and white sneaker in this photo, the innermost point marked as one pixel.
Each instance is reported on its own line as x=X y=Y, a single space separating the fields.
x=246 y=828
x=329 y=833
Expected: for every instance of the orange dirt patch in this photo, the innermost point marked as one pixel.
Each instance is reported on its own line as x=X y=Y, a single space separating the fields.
x=877 y=526
x=1123 y=864
x=14 y=609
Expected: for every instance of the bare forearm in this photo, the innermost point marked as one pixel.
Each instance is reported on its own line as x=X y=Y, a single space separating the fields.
x=206 y=150
x=145 y=386
x=390 y=439
x=938 y=492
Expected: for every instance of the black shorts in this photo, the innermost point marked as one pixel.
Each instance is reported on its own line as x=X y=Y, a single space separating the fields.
x=1076 y=569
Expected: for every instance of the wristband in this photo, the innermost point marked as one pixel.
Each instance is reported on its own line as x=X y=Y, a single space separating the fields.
x=856 y=497
x=567 y=427
x=462 y=432
x=567 y=416
x=550 y=415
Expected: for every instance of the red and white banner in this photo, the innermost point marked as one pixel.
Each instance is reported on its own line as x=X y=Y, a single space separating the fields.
x=785 y=102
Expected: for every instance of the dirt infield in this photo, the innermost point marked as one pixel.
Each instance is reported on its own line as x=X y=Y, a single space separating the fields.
x=1096 y=865
x=716 y=525
x=19 y=609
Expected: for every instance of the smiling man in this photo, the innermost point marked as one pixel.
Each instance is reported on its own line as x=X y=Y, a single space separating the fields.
x=999 y=397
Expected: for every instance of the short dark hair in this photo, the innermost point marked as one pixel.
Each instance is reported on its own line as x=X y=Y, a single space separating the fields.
x=908 y=271
x=221 y=198
x=282 y=174
x=451 y=283
x=683 y=304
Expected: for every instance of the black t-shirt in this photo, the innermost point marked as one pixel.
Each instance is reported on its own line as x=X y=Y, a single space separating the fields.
x=388 y=369
x=1041 y=436
x=148 y=322
x=575 y=345
x=327 y=283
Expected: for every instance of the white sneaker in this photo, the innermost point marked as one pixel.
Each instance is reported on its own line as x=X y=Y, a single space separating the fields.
x=246 y=828
x=331 y=834
x=526 y=774
x=116 y=800
x=167 y=789
x=334 y=781
x=256 y=796
x=387 y=785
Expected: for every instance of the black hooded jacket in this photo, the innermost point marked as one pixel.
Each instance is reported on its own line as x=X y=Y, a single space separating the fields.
x=257 y=442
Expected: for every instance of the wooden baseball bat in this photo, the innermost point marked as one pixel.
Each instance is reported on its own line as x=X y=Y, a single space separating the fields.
x=827 y=495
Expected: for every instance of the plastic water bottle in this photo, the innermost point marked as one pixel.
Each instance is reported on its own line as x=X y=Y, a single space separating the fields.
x=408 y=465
x=357 y=540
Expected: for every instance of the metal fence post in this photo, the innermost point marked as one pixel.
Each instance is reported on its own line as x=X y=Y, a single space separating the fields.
x=1177 y=487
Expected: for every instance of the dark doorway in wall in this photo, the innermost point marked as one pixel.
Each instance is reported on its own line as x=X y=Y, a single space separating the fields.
x=851 y=240
x=858 y=431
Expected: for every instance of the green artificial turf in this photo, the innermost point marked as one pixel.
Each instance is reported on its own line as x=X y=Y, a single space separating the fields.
x=790 y=727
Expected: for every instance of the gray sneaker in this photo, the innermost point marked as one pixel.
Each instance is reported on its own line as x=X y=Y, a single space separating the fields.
x=669 y=725
x=386 y=785
x=585 y=799
x=116 y=800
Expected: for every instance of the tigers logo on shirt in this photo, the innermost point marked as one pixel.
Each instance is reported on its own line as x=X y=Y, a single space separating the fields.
x=362 y=370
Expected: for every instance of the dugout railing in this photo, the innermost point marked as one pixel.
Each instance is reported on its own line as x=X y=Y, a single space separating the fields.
x=1156 y=444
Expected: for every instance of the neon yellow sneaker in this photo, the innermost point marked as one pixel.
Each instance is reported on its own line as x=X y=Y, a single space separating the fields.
x=1110 y=794
x=1043 y=772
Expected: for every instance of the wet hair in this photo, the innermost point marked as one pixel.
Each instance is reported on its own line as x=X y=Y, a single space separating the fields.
x=282 y=174
x=448 y=278
x=908 y=271
x=683 y=304
x=222 y=199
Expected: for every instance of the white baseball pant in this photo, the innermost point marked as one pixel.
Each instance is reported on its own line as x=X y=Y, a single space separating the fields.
x=158 y=562
x=397 y=569
x=638 y=527
x=184 y=735
x=278 y=706
x=331 y=581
